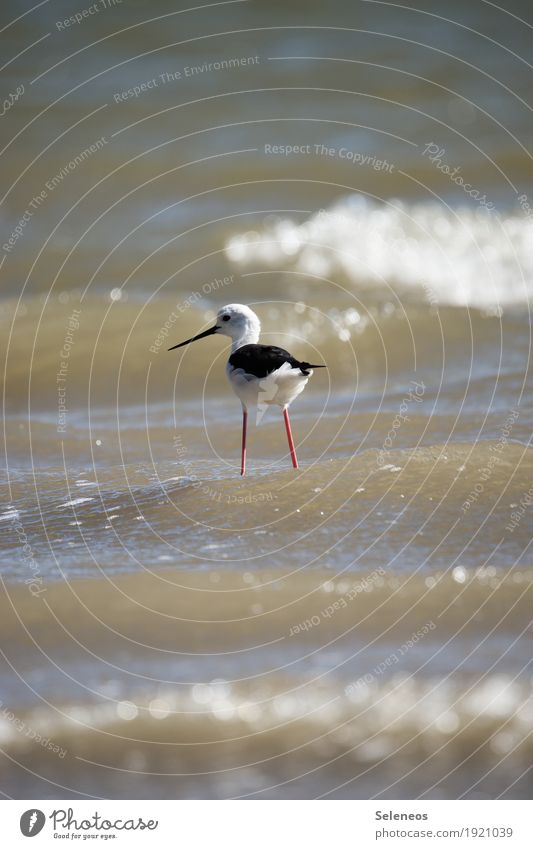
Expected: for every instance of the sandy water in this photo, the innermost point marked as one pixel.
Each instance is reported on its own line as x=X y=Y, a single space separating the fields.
x=361 y=627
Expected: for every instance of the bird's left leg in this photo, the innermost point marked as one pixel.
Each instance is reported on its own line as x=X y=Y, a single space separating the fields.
x=289 y=437
x=243 y=447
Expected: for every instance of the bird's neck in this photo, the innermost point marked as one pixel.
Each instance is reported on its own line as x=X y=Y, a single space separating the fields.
x=249 y=336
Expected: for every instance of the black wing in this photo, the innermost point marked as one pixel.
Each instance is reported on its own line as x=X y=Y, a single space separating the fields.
x=261 y=360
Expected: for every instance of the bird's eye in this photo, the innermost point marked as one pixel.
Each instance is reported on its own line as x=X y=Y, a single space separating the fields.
x=226 y=317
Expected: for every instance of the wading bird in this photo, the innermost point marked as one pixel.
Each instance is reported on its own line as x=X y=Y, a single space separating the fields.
x=260 y=375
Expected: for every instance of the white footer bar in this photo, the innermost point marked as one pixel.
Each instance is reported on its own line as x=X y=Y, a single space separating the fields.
x=267 y=824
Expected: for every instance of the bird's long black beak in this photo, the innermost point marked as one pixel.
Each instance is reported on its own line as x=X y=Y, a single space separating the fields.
x=194 y=338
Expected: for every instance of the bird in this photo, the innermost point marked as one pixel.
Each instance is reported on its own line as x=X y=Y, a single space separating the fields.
x=261 y=375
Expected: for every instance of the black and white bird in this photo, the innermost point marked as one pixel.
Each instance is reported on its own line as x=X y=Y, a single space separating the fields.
x=260 y=375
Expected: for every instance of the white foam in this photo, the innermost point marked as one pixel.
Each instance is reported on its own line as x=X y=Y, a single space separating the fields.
x=462 y=257
x=9 y=514
x=75 y=502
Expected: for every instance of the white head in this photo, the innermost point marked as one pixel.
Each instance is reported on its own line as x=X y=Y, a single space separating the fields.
x=237 y=321
x=240 y=323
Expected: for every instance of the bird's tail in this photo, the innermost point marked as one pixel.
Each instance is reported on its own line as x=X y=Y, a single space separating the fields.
x=304 y=367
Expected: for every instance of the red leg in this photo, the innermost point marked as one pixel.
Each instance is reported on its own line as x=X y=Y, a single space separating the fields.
x=289 y=437
x=243 y=450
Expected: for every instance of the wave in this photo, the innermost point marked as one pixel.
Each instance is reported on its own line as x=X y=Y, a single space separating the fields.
x=425 y=251
x=386 y=505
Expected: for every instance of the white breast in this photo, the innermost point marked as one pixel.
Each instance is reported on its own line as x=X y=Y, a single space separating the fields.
x=280 y=387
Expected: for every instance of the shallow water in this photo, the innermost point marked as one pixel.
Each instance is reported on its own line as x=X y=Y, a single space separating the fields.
x=272 y=684
x=360 y=627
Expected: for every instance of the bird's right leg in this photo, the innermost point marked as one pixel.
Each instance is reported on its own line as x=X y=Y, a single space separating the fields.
x=289 y=437
x=243 y=448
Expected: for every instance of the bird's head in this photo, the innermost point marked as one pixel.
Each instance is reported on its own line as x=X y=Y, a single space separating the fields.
x=237 y=321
